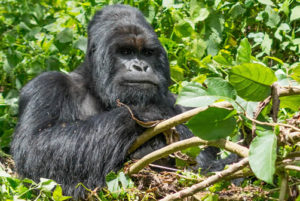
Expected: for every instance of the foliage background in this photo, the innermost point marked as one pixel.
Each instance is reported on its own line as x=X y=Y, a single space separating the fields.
x=202 y=38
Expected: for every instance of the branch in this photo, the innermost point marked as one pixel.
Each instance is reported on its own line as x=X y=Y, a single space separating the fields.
x=289 y=91
x=170 y=123
x=275 y=100
x=209 y=181
x=292 y=167
x=283 y=186
x=273 y=124
x=177 y=146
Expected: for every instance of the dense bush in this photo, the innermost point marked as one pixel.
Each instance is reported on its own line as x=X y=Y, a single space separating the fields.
x=237 y=48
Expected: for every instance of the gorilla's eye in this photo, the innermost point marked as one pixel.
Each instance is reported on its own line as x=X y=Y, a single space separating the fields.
x=147 y=52
x=126 y=51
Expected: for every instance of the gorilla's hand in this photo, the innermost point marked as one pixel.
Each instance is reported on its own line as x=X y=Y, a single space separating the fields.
x=153 y=112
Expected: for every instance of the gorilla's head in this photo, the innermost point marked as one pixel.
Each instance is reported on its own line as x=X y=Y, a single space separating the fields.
x=126 y=58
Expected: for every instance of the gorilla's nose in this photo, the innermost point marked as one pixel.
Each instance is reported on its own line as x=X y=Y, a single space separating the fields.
x=139 y=67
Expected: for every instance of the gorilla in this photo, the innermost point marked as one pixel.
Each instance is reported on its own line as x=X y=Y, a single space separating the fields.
x=70 y=127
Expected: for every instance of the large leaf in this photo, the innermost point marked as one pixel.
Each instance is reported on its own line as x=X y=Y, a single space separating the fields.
x=213 y=123
x=183 y=29
x=266 y=2
x=252 y=81
x=195 y=95
x=198 y=11
x=262 y=156
x=292 y=102
x=244 y=52
x=65 y=36
x=295 y=13
x=273 y=18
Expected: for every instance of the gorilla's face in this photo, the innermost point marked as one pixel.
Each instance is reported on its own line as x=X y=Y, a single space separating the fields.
x=128 y=62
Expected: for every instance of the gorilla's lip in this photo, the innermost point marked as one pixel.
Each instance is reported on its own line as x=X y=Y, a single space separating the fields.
x=138 y=82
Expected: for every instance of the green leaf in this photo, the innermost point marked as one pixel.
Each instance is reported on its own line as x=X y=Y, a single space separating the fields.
x=244 y=52
x=223 y=58
x=292 y=102
x=213 y=44
x=213 y=123
x=58 y=196
x=194 y=95
x=252 y=81
x=285 y=7
x=46 y=184
x=198 y=48
x=237 y=10
x=65 y=36
x=274 y=17
x=266 y=44
x=81 y=44
x=266 y=2
x=183 y=29
x=177 y=73
x=248 y=106
x=262 y=156
x=199 y=14
x=296 y=73
x=167 y=3
x=295 y=14
x=112 y=182
x=257 y=37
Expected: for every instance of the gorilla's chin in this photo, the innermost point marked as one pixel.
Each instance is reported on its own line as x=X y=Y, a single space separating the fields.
x=137 y=93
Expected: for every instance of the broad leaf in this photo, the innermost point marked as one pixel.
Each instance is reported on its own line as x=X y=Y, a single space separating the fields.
x=65 y=36
x=266 y=44
x=266 y=2
x=252 y=81
x=292 y=102
x=112 y=182
x=273 y=18
x=237 y=10
x=58 y=196
x=262 y=156
x=244 y=52
x=195 y=95
x=213 y=123
x=295 y=13
x=81 y=44
x=183 y=29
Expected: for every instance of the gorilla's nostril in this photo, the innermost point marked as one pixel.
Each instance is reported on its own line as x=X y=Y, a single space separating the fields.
x=146 y=68
x=137 y=67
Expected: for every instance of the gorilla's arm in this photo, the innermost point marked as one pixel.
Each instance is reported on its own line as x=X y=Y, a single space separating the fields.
x=50 y=142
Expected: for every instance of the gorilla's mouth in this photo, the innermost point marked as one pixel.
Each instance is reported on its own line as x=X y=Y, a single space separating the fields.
x=138 y=83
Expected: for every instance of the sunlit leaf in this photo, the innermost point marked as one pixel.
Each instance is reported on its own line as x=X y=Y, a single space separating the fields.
x=195 y=95
x=295 y=13
x=262 y=156
x=244 y=52
x=65 y=36
x=266 y=2
x=252 y=81
x=292 y=102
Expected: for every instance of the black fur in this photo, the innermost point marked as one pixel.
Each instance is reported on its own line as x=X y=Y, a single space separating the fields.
x=70 y=129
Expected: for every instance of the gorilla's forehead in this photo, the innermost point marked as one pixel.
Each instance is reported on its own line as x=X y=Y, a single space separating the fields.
x=134 y=35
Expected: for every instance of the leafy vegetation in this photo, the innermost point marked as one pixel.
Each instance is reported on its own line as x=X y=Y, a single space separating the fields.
x=218 y=50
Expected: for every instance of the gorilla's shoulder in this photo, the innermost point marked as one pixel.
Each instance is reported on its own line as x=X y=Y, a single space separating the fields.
x=48 y=82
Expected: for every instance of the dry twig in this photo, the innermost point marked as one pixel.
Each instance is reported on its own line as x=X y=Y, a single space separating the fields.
x=209 y=181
